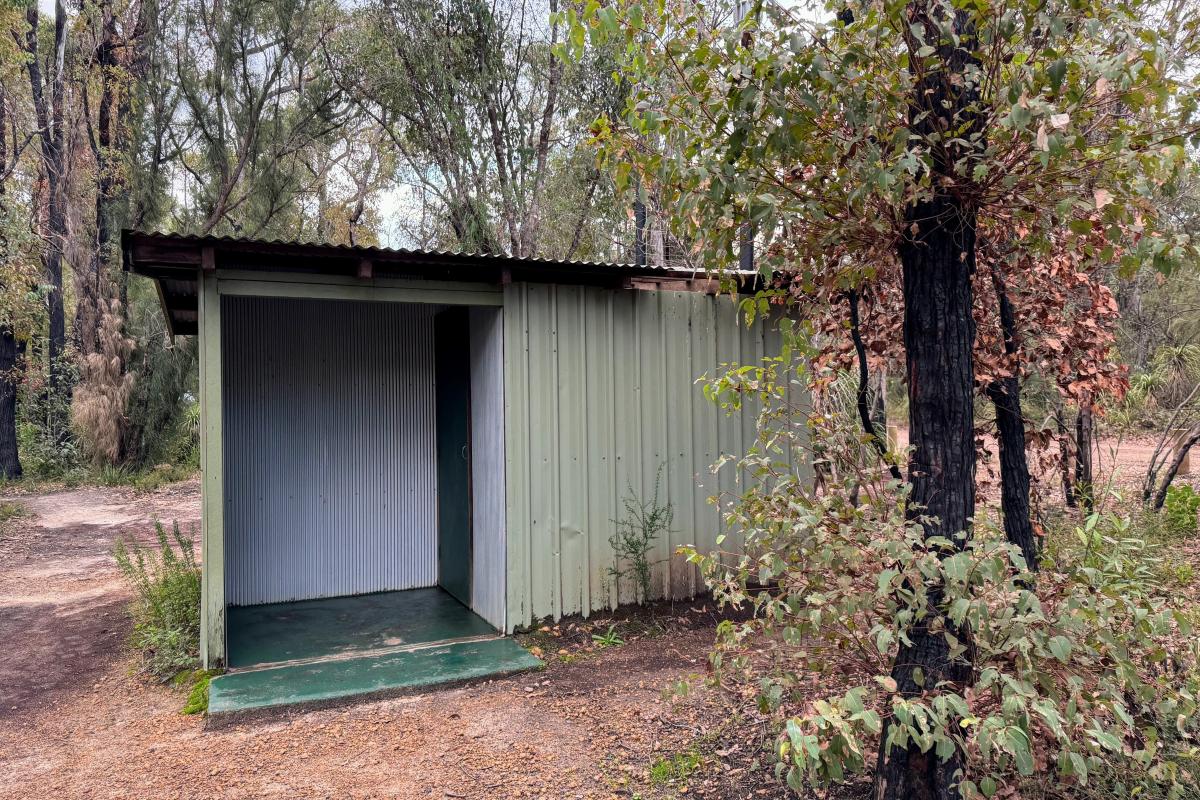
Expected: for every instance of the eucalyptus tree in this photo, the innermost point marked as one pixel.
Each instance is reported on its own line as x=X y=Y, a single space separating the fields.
x=482 y=119
x=48 y=92
x=925 y=138
x=253 y=98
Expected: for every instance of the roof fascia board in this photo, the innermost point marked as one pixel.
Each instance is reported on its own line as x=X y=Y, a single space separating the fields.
x=444 y=294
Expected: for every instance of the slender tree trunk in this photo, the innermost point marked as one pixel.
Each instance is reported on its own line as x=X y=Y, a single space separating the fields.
x=1066 y=460
x=10 y=356
x=49 y=113
x=1186 y=443
x=1084 y=474
x=92 y=290
x=1005 y=395
x=531 y=226
x=10 y=460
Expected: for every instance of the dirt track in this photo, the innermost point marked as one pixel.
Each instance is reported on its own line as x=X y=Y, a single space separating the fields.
x=75 y=722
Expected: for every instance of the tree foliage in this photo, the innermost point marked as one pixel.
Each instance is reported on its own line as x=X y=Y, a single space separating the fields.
x=916 y=148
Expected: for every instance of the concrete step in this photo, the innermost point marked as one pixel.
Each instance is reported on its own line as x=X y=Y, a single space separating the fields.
x=316 y=681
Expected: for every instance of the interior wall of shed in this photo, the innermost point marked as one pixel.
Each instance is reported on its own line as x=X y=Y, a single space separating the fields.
x=332 y=420
x=489 y=530
x=330 y=485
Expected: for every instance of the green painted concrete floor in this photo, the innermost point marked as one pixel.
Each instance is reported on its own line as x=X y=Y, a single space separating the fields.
x=348 y=677
x=342 y=626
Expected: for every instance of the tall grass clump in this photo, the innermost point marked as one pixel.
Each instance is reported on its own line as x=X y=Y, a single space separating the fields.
x=166 y=609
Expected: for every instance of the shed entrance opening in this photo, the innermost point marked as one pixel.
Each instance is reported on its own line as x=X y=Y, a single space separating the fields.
x=364 y=466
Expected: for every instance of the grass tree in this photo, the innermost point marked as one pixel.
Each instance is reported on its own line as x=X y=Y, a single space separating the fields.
x=917 y=138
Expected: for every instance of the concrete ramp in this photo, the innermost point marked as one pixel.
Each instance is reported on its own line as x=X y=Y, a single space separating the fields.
x=332 y=679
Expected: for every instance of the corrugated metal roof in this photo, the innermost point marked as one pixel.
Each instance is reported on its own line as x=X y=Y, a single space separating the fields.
x=403 y=252
x=174 y=260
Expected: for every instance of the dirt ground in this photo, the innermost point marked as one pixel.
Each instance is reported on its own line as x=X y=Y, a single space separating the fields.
x=77 y=722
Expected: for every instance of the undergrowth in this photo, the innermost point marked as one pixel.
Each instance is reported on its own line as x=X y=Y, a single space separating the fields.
x=166 y=608
x=645 y=522
x=1079 y=681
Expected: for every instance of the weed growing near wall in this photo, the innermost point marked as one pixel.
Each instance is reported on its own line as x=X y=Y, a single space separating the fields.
x=645 y=522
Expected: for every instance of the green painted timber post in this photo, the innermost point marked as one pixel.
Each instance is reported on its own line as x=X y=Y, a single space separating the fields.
x=212 y=472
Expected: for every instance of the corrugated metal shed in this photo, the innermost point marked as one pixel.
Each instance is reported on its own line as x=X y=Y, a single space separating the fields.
x=174 y=262
x=489 y=528
x=320 y=415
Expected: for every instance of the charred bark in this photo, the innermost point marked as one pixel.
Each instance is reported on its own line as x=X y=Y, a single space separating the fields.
x=1005 y=395
x=937 y=258
x=1084 y=489
x=10 y=348
x=10 y=356
x=939 y=336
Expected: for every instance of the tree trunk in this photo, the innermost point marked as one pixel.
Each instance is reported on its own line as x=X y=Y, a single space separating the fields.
x=1005 y=395
x=1186 y=443
x=939 y=335
x=1014 y=469
x=49 y=113
x=10 y=355
x=1084 y=475
x=93 y=288
x=1065 y=456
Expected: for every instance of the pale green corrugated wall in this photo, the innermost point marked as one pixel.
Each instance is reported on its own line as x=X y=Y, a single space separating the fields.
x=600 y=389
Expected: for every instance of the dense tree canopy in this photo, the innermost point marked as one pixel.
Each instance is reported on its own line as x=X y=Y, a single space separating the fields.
x=448 y=125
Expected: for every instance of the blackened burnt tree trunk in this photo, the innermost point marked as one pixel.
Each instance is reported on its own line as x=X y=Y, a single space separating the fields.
x=10 y=348
x=1084 y=471
x=10 y=358
x=1005 y=394
x=937 y=255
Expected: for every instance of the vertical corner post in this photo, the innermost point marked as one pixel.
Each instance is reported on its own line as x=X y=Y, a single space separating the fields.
x=212 y=480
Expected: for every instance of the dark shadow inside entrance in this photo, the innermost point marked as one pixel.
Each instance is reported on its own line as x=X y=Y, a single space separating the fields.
x=347 y=626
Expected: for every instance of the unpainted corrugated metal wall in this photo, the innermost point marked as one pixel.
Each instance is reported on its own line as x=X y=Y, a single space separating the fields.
x=487 y=464
x=601 y=395
x=330 y=482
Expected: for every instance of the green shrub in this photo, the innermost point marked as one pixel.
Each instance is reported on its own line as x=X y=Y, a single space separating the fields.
x=674 y=768
x=45 y=440
x=10 y=510
x=166 y=609
x=1083 y=679
x=1181 y=506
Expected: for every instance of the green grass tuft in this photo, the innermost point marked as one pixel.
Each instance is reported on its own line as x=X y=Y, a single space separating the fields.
x=197 y=699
